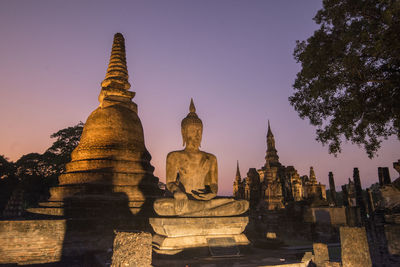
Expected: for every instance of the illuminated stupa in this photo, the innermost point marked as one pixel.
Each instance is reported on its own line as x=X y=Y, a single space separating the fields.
x=111 y=159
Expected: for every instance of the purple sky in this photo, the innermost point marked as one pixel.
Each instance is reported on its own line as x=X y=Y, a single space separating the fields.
x=233 y=57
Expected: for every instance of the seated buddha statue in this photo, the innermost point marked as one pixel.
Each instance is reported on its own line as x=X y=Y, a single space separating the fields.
x=192 y=178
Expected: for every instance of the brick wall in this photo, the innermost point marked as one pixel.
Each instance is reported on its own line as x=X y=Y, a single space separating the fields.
x=31 y=241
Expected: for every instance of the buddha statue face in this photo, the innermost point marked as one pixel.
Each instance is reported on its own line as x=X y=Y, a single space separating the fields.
x=191 y=135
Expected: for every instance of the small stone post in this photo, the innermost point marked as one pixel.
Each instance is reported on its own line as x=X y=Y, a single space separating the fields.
x=321 y=254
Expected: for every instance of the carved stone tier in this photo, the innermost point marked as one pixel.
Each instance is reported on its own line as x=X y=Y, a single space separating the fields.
x=175 y=234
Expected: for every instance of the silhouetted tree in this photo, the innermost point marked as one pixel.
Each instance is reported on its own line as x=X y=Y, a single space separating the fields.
x=38 y=172
x=8 y=181
x=60 y=152
x=349 y=82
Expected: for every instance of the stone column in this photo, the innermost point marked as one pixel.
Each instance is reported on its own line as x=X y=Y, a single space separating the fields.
x=380 y=176
x=386 y=176
x=345 y=196
x=359 y=194
x=370 y=202
x=332 y=188
x=355 y=250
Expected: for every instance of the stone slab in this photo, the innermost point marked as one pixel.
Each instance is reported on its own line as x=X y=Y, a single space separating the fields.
x=355 y=250
x=223 y=247
x=177 y=244
x=183 y=227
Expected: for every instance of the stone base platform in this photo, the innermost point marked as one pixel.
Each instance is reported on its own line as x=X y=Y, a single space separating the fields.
x=175 y=234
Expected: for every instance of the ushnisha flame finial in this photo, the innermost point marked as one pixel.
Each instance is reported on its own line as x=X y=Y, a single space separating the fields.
x=192 y=117
x=192 y=108
x=117 y=72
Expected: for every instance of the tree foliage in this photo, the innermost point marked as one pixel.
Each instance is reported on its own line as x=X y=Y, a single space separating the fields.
x=349 y=82
x=60 y=152
x=8 y=180
x=35 y=172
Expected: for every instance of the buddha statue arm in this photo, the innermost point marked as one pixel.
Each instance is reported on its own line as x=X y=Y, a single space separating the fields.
x=171 y=173
x=211 y=187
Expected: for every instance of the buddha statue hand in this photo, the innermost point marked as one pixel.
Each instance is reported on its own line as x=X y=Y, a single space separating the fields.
x=180 y=200
x=204 y=194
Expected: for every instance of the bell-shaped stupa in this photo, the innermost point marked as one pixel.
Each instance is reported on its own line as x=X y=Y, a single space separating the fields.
x=111 y=158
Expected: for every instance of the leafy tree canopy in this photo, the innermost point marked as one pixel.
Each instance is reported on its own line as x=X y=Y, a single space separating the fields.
x=349 y=82
x=35 y=172
x=60 y=152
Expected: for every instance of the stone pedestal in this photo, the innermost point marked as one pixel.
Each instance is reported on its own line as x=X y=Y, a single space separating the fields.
x=175 y=234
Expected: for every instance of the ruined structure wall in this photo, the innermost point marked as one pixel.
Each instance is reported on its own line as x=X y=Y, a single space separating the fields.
x=31 y=241
x=329 y=215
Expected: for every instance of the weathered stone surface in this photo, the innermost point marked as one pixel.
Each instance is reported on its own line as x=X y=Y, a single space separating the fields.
x=392 y=233
x=173 y=245
x=31 y=242
x=355 y=250
x=132 y=249
x=321 y=254
x=175 y=227
x=307 y=257
x=327 y=215
x=390 y=197
x=175 y=234
x=195 y=208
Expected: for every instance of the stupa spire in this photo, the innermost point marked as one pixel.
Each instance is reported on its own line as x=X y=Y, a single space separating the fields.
x=238 y=177
x=117 y=71
x=269 y=133
x=272 y=154
x=313 y=178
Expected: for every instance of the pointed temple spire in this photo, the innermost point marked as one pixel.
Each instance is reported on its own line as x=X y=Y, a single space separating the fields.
x=313 y=178
x=269 y=133
x=238 y=176
x=272 y=154
x=117 y=72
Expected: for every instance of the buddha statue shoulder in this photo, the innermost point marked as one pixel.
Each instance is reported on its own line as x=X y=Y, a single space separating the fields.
x=192 y=178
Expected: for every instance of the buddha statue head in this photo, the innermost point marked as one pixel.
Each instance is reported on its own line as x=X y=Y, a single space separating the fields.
x=192 y=129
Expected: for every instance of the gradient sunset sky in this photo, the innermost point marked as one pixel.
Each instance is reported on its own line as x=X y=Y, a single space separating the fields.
x=233 y=57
